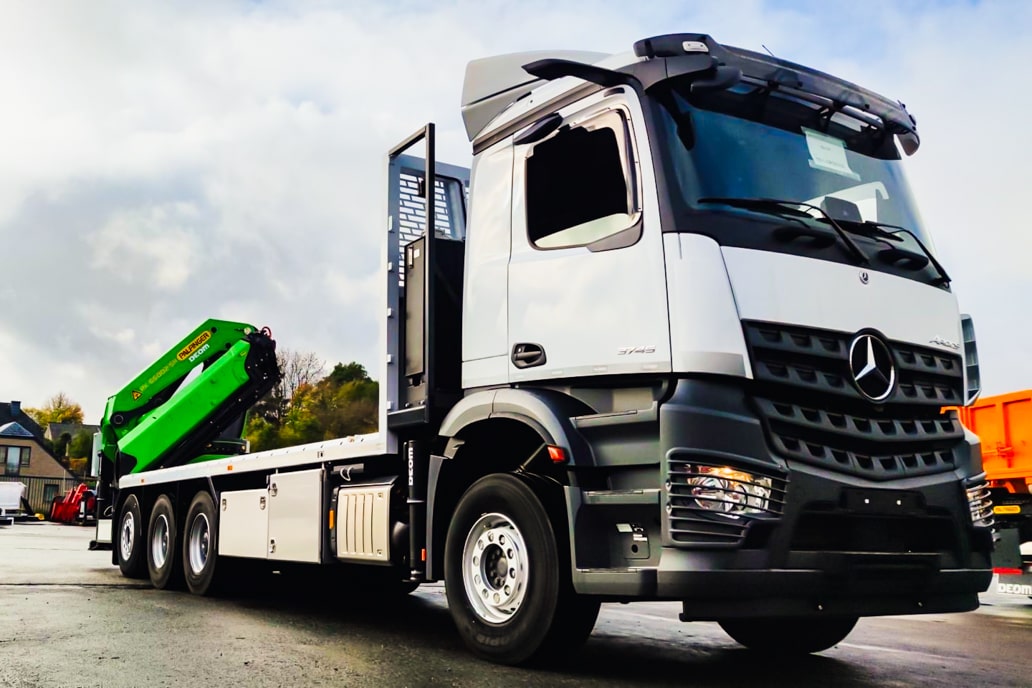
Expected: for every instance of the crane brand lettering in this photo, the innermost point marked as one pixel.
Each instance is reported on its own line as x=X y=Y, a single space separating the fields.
x=193 y=346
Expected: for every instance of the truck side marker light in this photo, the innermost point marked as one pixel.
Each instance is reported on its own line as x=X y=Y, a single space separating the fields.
x=1007 y=571
x=557 y=454
x=331 y=518
x=422 y=555
x=229 y=467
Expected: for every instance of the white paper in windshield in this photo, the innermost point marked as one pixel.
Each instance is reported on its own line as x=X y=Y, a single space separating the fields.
x=828 y=153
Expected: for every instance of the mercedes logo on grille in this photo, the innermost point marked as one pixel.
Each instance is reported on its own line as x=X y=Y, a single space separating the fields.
x=870 y=362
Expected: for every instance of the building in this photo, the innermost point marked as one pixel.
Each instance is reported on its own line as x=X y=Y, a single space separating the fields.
x=25 y=458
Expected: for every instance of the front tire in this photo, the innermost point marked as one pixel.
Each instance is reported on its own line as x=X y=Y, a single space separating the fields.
x=789 y=636
x=200 y=546
x=162 y=562
x=129 y=548
x=507 y=576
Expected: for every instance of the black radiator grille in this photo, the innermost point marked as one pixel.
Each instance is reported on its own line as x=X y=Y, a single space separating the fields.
x=817 y=361
x=814 y=414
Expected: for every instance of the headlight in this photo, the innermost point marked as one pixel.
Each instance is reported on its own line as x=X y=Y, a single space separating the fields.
x=981 y=505
x=728 y=491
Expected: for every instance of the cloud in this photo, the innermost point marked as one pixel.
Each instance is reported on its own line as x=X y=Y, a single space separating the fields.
x=167 y=163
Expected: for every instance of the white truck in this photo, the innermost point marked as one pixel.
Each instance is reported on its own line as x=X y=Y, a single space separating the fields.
x=679 y=335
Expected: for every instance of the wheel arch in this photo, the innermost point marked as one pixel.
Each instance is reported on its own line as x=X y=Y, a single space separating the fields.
x=498 y=431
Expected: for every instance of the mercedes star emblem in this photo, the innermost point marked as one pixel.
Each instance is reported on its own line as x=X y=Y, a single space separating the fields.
x=870 y=362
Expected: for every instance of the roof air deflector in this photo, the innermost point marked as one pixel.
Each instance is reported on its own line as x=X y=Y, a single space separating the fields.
x=492 y=84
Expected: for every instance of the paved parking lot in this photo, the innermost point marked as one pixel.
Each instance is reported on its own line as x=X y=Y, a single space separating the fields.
x=70 y=619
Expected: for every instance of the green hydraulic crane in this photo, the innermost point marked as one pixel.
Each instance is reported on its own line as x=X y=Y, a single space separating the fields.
x=156 y=421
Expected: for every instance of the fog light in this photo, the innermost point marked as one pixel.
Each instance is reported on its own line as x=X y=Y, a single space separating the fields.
x=728 y=491
x=981 y=505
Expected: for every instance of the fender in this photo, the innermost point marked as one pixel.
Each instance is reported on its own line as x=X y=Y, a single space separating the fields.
x=546 y=411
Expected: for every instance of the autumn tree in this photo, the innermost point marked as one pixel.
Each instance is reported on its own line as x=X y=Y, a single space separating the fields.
x=57 y=409
x=342 y=403
x=297 y=369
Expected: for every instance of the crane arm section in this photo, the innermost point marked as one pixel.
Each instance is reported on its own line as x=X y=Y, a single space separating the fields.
x=156 y=420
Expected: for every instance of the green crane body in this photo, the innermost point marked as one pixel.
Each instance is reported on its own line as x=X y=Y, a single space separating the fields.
x=156 y=421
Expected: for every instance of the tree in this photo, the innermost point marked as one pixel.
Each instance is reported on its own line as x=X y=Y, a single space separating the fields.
x=347 y=373
x=58 y=409
x=343 y=403
x=81 y=446
x=297 y=369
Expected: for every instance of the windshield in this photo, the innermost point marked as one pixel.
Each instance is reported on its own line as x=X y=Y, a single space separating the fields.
x=751 y=142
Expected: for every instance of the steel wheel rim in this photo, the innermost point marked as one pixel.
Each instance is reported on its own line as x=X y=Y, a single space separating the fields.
x=495 y=568
x=160 y=541
x=128 y=533
x=198 y=543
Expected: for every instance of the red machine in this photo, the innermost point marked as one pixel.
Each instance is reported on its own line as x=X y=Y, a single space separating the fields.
x=77 y=506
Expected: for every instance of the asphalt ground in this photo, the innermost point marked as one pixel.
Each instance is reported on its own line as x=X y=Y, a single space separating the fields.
x=67 y=618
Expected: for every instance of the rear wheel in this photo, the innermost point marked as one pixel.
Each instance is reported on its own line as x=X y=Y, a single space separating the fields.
x=129 y=550
x=201 y=561
x=162 y=562
x=507 y=578
x=789 y=636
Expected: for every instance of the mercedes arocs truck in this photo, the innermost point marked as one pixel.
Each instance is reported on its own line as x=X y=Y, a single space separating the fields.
x=680 y=334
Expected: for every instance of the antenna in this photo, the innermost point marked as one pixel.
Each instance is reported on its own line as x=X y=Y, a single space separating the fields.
x=768 y=50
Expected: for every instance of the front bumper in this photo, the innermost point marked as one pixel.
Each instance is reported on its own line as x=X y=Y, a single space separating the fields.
x=840 y=544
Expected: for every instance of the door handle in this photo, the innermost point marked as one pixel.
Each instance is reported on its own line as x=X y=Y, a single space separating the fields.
x=528 y=355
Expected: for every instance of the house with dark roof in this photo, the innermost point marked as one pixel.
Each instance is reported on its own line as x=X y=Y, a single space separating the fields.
x=25 y=458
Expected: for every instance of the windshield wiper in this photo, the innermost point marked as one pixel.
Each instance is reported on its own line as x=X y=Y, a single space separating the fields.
x=776 y=206
x=884 y=230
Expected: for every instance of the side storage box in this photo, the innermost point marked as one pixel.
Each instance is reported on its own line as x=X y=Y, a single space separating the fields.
x=296 y=516
x=244 y=524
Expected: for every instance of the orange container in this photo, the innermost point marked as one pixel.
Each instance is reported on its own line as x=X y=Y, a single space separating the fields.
x=1004 y=424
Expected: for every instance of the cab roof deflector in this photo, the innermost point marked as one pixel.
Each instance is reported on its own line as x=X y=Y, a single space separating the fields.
x=494 y=83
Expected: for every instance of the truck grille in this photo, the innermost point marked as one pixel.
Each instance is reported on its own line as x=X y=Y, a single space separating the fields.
x=817 y=361
x=813 y=414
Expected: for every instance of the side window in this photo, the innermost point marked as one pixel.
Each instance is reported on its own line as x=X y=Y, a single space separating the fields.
x=580 y=189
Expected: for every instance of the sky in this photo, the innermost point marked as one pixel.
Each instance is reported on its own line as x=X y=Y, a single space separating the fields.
x=163 y=163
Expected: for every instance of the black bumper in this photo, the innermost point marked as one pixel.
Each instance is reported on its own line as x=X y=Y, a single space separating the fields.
x=838 y=544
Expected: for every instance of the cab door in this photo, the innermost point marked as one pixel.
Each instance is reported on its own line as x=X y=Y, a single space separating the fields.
x=587 y=289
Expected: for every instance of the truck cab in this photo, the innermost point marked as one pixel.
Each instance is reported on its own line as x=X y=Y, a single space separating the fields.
x=698 y=273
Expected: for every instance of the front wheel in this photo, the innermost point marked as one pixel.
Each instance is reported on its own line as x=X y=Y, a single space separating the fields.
x=507 y=576
x=132 y=561
x=789 y=636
